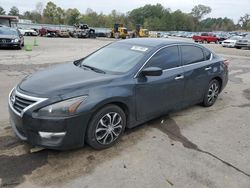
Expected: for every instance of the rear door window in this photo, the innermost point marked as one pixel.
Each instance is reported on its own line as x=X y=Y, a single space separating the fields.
x=191 y=54
x=166 y=58
x=207 y=54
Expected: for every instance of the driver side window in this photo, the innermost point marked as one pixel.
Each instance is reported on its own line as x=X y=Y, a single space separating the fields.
x=166 y=58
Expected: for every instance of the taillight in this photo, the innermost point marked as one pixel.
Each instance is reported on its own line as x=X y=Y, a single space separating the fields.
x=226 y=63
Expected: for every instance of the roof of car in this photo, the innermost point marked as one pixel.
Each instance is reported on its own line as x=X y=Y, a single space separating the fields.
x=153 y=42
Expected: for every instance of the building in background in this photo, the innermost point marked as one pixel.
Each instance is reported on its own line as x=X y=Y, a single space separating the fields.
x=10 y=21
x=24 y=21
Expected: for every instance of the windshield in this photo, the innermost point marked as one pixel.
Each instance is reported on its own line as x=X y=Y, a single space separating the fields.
x=7 y=31
x=247 y=37
x=115 y=58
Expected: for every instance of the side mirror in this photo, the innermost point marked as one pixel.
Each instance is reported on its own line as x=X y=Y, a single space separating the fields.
x=152 y=71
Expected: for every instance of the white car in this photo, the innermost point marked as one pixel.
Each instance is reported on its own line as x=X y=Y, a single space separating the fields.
x=28 y=32
x=230 y=42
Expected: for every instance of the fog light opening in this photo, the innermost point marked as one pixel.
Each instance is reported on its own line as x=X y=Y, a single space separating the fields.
x=52 y=134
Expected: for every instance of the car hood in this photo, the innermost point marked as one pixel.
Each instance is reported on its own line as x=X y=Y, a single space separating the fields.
x=8 y=36
x=62 y=79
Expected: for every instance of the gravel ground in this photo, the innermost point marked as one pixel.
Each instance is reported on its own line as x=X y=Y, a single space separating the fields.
x=196 y=147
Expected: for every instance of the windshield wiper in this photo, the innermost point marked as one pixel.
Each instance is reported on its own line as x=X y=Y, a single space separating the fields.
x=93 y=69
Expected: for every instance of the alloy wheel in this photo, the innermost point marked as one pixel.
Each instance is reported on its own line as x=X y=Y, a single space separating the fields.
x=108 y=128
x=213 y=93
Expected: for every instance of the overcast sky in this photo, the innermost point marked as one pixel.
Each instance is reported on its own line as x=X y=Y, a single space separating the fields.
x=220 y=8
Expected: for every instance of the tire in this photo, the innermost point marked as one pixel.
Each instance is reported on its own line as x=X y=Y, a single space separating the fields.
x=92 y=34
x=109 y=35
x=211 y=93
x=102 y=132
x=117 y=35
x=237 y=47
x=19 y=47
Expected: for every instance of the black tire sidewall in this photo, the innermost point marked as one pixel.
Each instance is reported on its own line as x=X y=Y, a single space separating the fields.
x=205 y=100
x=90 y=132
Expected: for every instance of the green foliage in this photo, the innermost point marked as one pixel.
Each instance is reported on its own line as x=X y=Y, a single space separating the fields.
x=153 y=17
x=217 y=24
x=50 y=13
x=2 y=11
x=34 y=16
x=72 y=16
x=140 y=15
x=199 y=11
x=248 y=25
x=14 y=11
x=244 y=21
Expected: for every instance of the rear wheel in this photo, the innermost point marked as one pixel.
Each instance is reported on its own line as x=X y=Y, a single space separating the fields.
x=212 y=93
x=106 y=127
x=238 y=47
x=92 y=34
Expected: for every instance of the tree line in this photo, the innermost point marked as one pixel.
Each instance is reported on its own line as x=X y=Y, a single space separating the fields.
x=154 y=17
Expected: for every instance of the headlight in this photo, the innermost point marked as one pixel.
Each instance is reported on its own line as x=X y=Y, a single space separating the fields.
x=63 y=108
x=14 y=40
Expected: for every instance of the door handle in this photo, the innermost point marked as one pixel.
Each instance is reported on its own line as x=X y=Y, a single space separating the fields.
x=208 y=68
x=179 y=77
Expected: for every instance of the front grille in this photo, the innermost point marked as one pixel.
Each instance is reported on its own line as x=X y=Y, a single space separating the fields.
x=243 y=41
x=21 y=103
x=5 y=40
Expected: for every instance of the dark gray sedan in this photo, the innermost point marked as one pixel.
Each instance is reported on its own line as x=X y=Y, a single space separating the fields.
x=122 y=85
x=11 y=38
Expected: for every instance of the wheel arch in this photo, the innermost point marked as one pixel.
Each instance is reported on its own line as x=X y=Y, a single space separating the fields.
x=121 y=104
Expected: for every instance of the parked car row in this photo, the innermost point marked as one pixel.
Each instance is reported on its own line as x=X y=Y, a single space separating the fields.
x=234 y=40
x=237 y=42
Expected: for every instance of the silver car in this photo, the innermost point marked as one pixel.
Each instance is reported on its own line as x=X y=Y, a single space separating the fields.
x=244 y=42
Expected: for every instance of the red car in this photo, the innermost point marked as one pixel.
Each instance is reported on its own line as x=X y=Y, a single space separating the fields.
x=206 y=38
x=48 y=32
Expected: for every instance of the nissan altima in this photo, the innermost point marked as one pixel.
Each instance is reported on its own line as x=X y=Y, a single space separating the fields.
x=92 y=100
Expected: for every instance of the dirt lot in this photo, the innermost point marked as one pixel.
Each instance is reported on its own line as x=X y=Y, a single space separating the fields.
x=196 y=147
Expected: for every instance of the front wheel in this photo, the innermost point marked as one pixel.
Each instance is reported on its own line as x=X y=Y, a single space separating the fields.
x=117 y=35
x=212 y=93
x=106 y=127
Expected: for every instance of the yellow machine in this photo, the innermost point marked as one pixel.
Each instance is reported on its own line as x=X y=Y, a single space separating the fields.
x=140 y=32
x=118 y=31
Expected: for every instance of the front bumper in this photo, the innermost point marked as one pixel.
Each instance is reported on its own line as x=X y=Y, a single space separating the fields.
x=52 y=133
x=228 y=44
x=10 y=44
x=242 y=45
